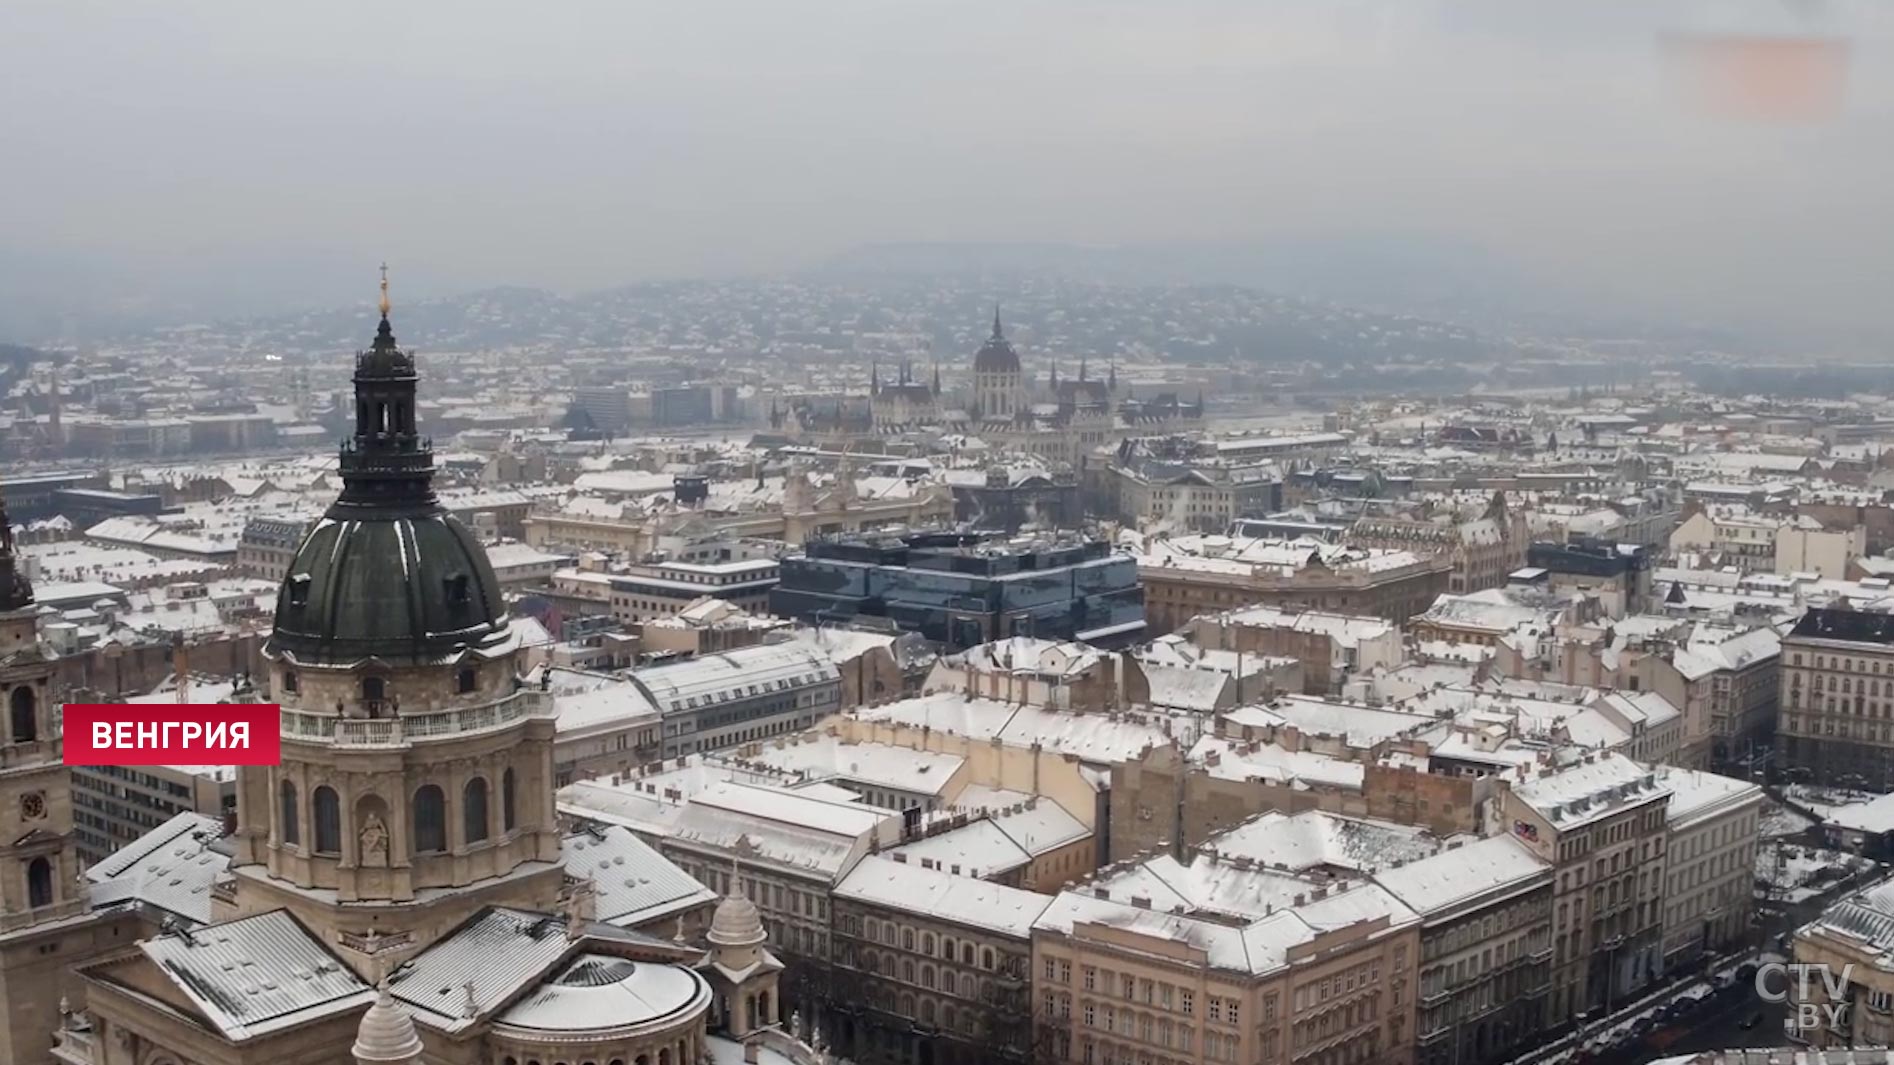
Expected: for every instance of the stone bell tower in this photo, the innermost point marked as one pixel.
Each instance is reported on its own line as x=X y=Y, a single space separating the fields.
x=38 y=869
x=40 y=894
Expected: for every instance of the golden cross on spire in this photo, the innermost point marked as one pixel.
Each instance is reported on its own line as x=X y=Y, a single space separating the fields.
x=384 y=290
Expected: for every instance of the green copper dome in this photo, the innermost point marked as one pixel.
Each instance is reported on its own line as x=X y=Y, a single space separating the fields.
x=387 y=573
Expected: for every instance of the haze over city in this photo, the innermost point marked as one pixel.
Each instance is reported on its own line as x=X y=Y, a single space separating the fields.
x=1286 y=532
x=216 y=159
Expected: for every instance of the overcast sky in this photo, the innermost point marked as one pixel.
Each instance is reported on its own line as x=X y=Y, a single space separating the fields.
x=577 y=144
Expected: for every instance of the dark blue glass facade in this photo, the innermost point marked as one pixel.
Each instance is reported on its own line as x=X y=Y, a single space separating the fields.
x=959 y=592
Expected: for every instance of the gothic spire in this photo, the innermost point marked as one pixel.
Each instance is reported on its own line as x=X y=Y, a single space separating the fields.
x=997 y=334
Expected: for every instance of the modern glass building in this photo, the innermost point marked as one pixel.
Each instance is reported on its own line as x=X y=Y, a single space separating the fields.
x=959 y=590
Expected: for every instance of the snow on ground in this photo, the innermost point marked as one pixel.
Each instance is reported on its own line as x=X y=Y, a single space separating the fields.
x=1822 y=801
x=1778 y=821
x=1796 y=874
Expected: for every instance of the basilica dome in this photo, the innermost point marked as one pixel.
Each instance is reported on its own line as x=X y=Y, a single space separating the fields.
x=387 y=572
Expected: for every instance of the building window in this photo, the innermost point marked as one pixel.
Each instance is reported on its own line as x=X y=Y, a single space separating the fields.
x=474 y=810
x=328 y=817
x=292 y=826
x=24 y=715
x=467 y=680
x=507 y=819
x=39 y=883
x=430 y=819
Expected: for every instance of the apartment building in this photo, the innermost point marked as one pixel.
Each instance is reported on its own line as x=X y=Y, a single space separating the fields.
x=1602 y=825
x=931 y=967
x=1836 y=704
x=1710 y=863
x=1485 y=949
x=1224 y=961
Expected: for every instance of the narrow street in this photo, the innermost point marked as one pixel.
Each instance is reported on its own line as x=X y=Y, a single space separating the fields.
x=1734 y=1017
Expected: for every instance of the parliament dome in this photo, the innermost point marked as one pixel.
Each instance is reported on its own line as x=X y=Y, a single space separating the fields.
x=997 y=354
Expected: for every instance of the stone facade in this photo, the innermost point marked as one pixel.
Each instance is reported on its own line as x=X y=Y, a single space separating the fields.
x=1175 y=595
x=1601 y=826
x=1836 y=702
x=915 y=986
x=42 y=905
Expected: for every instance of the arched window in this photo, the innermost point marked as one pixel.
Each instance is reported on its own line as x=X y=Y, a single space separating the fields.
x=966 y=954
x=25 y=718
x=328 y=819
x=986 y=957
x=292 y=822
x=927 y=943
x=907 y=939
x=374 y=689
x=430 y=819
x=473 y=810
x=39 y=883
x=467 y=680
x=507 y=818
x=907 y=971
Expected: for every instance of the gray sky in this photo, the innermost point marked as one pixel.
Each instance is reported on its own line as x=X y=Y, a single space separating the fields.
x=582 y=143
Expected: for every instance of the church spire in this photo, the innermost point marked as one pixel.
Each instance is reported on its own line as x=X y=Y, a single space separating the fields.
x=385 y=305
x=997 y=334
